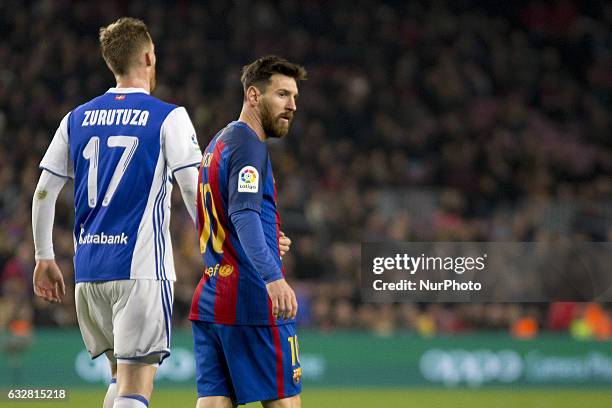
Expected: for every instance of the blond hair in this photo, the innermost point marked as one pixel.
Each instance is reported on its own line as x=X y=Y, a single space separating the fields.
x=121 y=41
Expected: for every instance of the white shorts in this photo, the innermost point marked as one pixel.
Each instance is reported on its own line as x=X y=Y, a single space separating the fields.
x=127 y=319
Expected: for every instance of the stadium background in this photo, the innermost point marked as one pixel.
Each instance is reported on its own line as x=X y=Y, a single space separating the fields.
x=462 y=120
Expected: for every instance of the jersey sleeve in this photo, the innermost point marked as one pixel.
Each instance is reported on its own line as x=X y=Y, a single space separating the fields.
x=179 y=141
x=247 y=170
x=251 y=236
x=57 y=158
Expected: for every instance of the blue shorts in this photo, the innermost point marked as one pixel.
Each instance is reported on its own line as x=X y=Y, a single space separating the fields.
x=246 y=363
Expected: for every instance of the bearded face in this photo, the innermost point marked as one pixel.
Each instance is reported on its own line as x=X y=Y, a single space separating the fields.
x=275 y=125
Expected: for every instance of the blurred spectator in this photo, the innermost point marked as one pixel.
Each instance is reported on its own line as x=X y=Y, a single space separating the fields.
x=420 y=121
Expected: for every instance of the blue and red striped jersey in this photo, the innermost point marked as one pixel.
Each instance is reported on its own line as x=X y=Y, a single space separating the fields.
x=235 y=174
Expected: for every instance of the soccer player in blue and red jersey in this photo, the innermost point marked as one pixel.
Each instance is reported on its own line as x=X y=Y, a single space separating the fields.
x=243 y=310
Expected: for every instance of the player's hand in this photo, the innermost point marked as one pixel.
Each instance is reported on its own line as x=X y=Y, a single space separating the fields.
x=49 y=281
x=283 y=244
x=284 y=303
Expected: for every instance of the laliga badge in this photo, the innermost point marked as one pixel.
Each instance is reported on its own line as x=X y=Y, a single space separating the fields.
x=248 y=180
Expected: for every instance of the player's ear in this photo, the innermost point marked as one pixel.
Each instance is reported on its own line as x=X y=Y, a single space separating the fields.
x=149 y=55
x=252 y=95
x=149 y=59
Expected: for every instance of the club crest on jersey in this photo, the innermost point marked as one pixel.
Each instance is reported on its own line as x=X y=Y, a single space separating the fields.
x=297 y=375
x=119 y=97
x=248 y=180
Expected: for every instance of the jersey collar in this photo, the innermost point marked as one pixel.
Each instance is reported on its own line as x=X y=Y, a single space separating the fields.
x=126 y=90
x=247 y=127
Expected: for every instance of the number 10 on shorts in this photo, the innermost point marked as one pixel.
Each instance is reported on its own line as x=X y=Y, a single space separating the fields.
x=295 y=349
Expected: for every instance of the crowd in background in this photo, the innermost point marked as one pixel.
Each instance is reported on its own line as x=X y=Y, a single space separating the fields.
x=420 y=121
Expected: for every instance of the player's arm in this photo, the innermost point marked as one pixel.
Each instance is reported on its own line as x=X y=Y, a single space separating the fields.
x=250 y=232
x=187 y=180
x=48 y=280
x=183 y=155
x=57 y=168
x=247 y=171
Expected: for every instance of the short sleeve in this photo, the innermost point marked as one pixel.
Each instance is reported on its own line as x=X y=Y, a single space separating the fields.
x=57 y=158
x=180 y=142
x=247 y=171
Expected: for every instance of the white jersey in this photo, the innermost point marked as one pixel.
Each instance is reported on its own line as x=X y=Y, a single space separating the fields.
x=122 y=149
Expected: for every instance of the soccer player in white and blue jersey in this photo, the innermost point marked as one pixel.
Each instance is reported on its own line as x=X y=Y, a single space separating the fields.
x=123 y=149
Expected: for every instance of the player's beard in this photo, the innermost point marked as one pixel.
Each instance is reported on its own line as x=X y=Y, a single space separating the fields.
x=274 y=126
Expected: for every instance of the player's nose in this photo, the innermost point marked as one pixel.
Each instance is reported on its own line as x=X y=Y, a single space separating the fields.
x=291 y=104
